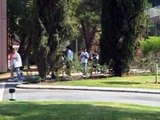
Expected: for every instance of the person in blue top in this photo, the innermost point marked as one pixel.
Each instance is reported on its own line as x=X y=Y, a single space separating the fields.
x=69 y=59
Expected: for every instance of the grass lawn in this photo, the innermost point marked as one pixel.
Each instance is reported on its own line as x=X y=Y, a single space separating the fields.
x=141 y=81
x=76 y=111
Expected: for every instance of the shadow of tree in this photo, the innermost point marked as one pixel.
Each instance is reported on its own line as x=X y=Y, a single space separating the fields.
x=72 y=111
x=3 y=79
x=121 y=83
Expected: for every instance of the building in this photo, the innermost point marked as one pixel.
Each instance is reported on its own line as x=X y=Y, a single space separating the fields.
x=154 y=14
x=3 y=36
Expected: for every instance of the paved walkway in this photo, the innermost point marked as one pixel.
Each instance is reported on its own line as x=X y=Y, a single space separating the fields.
x=35 y=86
x=133 y=90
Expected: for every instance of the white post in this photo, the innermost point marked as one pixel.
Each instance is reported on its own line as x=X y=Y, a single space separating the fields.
x=156 y=70
x=12 y=92
x=13 y=97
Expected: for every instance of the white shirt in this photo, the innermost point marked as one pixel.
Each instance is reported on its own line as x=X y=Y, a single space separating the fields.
x=16 y=60
x=84 y=57
x=69 y=55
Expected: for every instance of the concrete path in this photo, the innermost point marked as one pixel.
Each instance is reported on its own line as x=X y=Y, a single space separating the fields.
x=81 y=95
x=26 y=92
x=2 y=87
x=111 y=89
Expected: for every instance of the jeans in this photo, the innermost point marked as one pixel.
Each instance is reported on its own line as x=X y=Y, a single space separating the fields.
x=18 y=72
x=84 y=68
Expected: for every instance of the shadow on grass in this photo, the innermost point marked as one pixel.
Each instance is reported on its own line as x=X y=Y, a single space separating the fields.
x=121 y=83
x=72 y=111
x=144 y=74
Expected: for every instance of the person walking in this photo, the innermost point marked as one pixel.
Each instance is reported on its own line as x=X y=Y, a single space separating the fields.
x=16 y=63
x=94 y=63
x=69 y=59
x=84 y=56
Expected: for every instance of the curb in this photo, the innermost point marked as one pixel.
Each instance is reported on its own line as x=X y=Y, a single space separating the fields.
x=104 y=89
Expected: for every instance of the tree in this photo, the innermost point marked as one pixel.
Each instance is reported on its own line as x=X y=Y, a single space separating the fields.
x=121 y=21
x=15 y=10
x=55 y=23
x=88 y=13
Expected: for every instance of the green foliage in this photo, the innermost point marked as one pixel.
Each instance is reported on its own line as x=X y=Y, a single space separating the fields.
x=70 y=23
x=77 y=64
x=150 y=49
x=89 y=10
x=150 y=45
x=14 y=10
x=17 y=12
x=88 y=14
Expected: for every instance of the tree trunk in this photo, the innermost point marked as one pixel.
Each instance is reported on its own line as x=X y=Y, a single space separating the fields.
x=88 y=34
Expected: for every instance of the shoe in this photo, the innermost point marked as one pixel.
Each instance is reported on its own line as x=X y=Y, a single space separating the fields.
x=68 y=78
x=11 y=80
x=84 y=76
x=20 y=82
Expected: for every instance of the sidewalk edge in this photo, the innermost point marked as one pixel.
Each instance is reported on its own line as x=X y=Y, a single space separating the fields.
x=104 y=89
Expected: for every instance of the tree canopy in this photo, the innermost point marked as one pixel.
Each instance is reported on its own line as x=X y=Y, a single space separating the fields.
x=57 y=24
x=122 y=21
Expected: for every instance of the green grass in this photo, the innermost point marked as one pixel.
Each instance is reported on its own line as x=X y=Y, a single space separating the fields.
x=76 y=111
x=142 y=81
